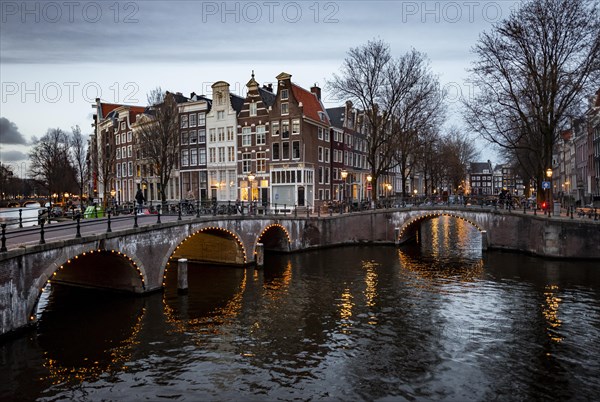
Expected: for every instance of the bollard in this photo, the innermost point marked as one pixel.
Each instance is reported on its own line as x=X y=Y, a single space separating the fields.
x=42 y=241
x=135 y=224
x=108 y=229
x=260 y=255
x=20 y=218
x=3 y=246
x=78 y=234
x=535 y=211
x=158 y=215
x=179 y=212
x=397 y=236
x=182 y=275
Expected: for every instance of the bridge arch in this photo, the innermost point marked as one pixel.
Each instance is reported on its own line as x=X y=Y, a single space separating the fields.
x=409 y=228
x=274 y=237
x=220 y=243
x=97 y=268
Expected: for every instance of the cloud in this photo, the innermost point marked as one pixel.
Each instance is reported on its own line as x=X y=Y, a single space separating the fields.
x=9 y=133
x=12 y=156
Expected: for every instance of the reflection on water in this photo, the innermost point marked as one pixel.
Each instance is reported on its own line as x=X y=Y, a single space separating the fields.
x=435 y=320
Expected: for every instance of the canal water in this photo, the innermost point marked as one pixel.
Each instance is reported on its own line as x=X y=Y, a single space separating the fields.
x=434 y=321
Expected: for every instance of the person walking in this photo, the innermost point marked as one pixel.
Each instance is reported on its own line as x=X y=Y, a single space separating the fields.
x=139 y=197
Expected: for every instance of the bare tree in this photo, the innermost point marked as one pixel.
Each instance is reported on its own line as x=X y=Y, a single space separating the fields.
x=50 y=162
x=372 y=78
x=106 y=160
x=79 y=158
x=457 y=151
x=530 y=73
x=159 y=136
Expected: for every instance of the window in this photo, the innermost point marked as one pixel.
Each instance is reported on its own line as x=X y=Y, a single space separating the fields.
x=201 y=119
x=118 y=153
x=123 y=125
x=296 y=126
x=212 y=155
x=275 y=154
x=193 y=137
x=184 y=121
x=129 y=151
x=284 y=108
x=230 y=154
x=261 y=162
x=130 y=169
x=285 y=129
x=202 y=136
x=261 y=138
x=124 y=152
x=320 y=133
x=118 y=139
x=123 y=169
x=320 y=176
x=212 y=135
x=123 y=138
x=326 y=151
x=230 y=133
x=220 y=115
x=185 y=157
x=246 y=136
x=221 y=131
x=285 y=150
x=129 y=136
x=320 y=154
x=284 y=94
x=326 y=135
x=184 y=138
x=295 y=149
x=193 y=156
x=118 y=170
x=221 y=154
x=193 y=120
x=246 y=162
x=202 y=156
x=275 y=128
x=252 y=108
x=326 y=175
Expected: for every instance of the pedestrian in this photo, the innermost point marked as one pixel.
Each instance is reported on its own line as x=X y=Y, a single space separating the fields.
x=139 y=197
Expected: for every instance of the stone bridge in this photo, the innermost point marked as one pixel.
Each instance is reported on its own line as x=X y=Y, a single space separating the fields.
x=136 y=259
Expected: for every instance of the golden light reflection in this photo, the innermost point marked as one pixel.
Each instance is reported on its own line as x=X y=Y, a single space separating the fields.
x=550 y=312
x=91 y=371
x=208 y=323
x=279 y=286
x=371 y=278
x=346 y=305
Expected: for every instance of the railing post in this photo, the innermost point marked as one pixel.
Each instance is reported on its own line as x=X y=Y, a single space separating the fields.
x=228 y=207
x=242 y=204
x=295 y=211
x=3 y=246
x=284 y=209
x=78 y=234
x=108 y=229
x=135 y=224
x=42 y=241
x=179 y=212
x=158 y=216
x=20 y=218
x=197 y=208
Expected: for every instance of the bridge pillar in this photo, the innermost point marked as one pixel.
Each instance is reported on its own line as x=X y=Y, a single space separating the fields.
x=484 y=240
x=260 y=255
x=397 y=236
x=182 y=275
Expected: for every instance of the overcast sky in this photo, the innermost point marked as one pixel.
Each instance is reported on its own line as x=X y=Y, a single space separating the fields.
x=56 y=57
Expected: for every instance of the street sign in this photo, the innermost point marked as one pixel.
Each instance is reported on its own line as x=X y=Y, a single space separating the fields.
x=546 y=185
x=369 y=187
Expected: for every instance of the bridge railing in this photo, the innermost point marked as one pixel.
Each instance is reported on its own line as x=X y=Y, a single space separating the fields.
x=19 y=228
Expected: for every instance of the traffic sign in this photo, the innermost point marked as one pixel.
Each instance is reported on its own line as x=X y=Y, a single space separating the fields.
x=546 y=185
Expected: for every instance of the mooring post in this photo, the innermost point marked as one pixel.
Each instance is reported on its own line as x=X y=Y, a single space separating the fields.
x=397 y=236
x=158 y=214
x=182 y=275
x=484 y=240
x=135 y=224
x=78 y=234
x=108 y=229
x=20 y=218
x=42 y=240
x=3 y=247
x=260 y=255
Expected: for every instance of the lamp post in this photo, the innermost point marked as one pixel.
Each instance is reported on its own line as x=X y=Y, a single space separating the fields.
x=549 y=176
x=344 y=176
x=389 y=189
x=251 y=178
x=369 y=188
x=112 y=195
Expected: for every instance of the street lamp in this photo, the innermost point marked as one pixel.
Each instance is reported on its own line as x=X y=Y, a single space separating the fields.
x=369 y=188
x=344 y=176
x=389 y=189
x=549 y=176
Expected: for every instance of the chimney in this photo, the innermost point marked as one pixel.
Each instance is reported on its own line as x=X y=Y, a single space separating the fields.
x=316 y=90
x=268 y=87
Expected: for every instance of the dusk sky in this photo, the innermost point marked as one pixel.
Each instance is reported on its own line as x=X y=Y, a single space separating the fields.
x=57 y=57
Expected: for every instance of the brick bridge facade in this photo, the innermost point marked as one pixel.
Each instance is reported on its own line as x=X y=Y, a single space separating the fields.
x=135 y=260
